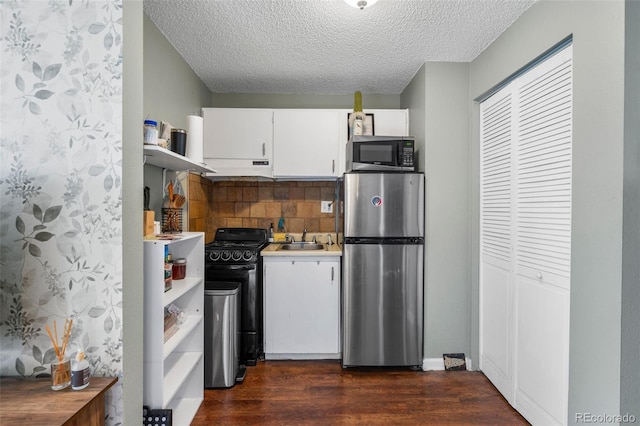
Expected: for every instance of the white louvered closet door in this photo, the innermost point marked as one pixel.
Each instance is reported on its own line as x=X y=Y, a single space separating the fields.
x=496 y=219
x=543 y=241
x=536 y=303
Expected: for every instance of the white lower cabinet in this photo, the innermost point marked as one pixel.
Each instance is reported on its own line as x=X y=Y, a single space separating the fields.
x=174 y=369
x=302 y=308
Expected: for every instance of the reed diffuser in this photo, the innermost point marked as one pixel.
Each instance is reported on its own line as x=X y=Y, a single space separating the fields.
x=60 y=370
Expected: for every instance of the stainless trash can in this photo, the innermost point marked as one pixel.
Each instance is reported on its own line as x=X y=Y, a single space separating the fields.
x=221 y=334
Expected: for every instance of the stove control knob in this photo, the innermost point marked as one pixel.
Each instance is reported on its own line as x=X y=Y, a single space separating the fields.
x=247 y=255
x=214 y=255
x=236 y=255
x=226 y=255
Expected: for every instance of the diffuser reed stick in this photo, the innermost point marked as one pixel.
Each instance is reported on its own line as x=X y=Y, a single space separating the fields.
x=61 y=375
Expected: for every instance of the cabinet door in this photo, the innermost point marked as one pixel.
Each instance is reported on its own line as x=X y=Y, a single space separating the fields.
x=390 y=122
x=238 y=133
x=302 y=307
x=306 y=143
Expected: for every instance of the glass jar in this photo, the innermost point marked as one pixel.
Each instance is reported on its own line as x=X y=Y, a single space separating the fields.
x=179 y=269
x=60 y=374
x=150 y=132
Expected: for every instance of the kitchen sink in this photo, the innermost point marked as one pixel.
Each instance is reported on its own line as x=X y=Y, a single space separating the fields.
x=301 y=246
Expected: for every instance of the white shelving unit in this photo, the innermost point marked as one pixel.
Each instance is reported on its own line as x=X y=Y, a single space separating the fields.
x=174 y=370
x=166 y=159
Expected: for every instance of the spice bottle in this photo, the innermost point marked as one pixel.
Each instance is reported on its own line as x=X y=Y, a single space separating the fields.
x=80 y=372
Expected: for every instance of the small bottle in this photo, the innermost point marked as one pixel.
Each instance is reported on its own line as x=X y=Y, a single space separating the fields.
x=271 y=233
x=80 y=372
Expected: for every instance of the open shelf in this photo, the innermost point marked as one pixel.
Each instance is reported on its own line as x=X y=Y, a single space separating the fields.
x=183 y=332
x=178 y=367
x=180 y=287
x=166 y=159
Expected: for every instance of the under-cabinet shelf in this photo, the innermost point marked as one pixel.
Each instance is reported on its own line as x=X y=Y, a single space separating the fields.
x=166 y=159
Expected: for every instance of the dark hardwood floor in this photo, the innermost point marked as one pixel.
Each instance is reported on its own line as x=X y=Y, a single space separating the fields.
x=322 y=393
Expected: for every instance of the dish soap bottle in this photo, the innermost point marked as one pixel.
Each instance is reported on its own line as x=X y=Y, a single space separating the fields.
x=271 y=232
x=80 y=372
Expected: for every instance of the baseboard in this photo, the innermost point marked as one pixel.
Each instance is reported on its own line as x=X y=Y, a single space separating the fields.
x=299 y=357
x=435 y=364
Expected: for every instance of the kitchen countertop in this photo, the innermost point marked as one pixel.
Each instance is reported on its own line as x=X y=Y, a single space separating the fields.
x=334 y=249
x=273 y=249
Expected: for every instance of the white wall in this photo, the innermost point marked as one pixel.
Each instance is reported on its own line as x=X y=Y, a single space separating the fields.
x=598 y=35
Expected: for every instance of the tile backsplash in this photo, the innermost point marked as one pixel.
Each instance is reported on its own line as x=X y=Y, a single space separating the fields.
x=256 y=204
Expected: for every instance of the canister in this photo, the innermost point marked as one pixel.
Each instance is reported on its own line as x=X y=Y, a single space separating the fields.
x=179 y=269
x=150 y=132
x=179 y=141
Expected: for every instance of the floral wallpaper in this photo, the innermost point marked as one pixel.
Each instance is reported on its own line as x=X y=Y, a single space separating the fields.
x=60 y=185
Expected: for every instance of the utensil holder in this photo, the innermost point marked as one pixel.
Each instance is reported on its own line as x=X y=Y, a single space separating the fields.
x=171 y=220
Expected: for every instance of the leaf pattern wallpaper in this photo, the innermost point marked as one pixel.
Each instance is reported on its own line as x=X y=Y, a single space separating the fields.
x=60 y=185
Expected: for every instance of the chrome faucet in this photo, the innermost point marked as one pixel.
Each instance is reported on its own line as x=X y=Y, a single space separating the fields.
x=290 y=238
x=304 y=235
x=329 y=242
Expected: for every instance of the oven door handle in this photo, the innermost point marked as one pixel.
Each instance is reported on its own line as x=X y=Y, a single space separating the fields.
x=232 y=267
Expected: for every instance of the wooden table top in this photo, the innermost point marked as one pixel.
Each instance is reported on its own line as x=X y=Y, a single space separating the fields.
x=32 y=402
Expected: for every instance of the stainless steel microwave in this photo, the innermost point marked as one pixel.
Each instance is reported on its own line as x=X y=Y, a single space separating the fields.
x=385 y=153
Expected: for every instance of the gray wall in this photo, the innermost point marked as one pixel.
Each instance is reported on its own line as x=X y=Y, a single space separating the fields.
x=630 y=361
x=595 y=319
x=438 y=100
x=257 y=100
x=413 y=97
x=171 y=89
x=133 y=297
x=171 y=92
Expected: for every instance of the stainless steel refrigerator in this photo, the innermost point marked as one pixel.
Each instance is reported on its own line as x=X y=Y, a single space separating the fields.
x=383 y=269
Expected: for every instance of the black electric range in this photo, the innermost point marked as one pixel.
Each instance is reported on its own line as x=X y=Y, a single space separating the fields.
x=234 y=256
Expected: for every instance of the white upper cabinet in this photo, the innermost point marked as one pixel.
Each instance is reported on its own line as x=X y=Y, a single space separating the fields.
x=390 y=122
x=286 y=143
x=306 y=143
x=238 y=141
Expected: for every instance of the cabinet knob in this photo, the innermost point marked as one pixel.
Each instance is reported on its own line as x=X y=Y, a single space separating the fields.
x=539 y=275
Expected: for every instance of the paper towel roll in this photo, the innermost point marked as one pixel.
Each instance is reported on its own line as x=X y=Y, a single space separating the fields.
x=195 y=126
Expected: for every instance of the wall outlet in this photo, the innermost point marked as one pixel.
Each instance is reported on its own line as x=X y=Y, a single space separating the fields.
x=326 y=206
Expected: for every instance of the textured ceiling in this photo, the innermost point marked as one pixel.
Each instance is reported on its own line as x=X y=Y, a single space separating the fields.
x=326 y=46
